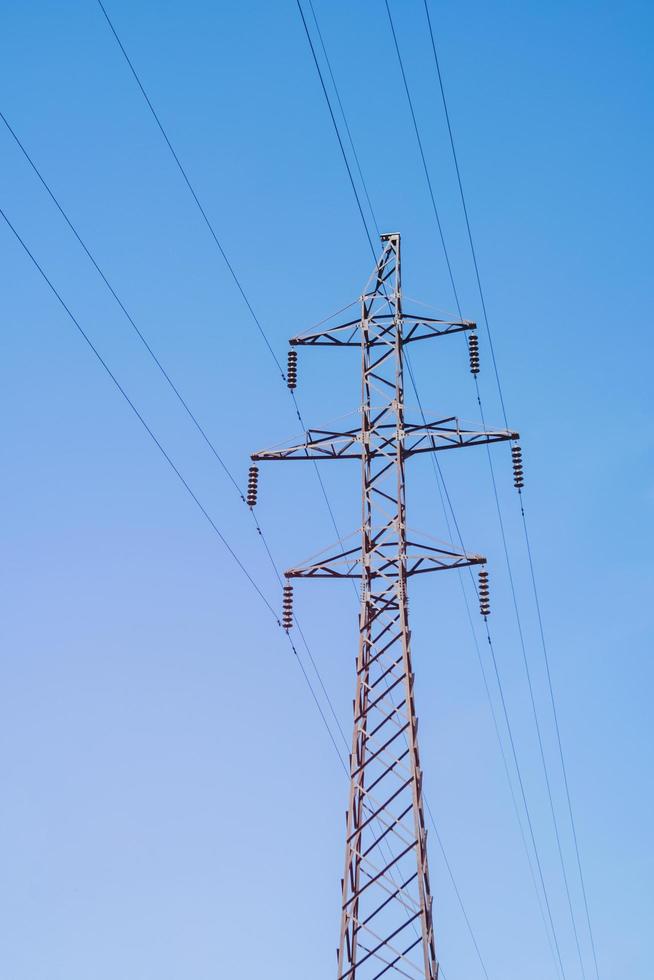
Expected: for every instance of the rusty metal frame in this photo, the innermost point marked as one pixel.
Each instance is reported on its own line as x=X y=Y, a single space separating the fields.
x=386 y=907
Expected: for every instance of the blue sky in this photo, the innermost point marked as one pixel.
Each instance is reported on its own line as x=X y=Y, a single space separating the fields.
x=172 y=804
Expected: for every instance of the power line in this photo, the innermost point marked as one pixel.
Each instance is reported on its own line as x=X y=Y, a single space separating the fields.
x=203 y=211
x=188 y=183
x=207 y=516
x=504 y=708
x=217 y=241
x=198 y=426
x=532 y=700
x=170 y=382
x=360 y=209
x=444 y=495
x=415 y=389
x=526 y=532
x=171 y=464
x=412 y=378
x=424 y=162
x=460 y=314
x=258 y=324
x=120 y=303
x=138 y=415
x=213 y=233
x=367 y=232
x=465 y=209
x=184 y=403
x=343 y=115
x=241 y=290
x=505 y=546
x=560 y=744
x=335 y=125
x=238 y=283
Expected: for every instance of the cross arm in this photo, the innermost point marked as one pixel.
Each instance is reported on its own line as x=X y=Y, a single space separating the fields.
x=384 y=562
x=418 y=438
x=348 y=334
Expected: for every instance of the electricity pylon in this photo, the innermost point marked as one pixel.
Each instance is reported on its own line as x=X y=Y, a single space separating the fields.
x=386 y=911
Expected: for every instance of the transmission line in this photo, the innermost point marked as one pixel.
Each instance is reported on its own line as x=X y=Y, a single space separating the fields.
x=367 y=232
x=192 y=191
x=199 y=504
x=218 y=244
x=444 y=495
x=232 y=271
x=120 y=303
x=183 y=402
x=412 y=379
x=204 y=213
x=528 y=674
x=506 y=719
x=524 y=520
x=342 y=111
x=215 y=236
x=416 y=393
x=424 y=162
x=239 y=285
x=172 y=465
x=201 y=208
x=195 y=421
x=465 y=207
x=335 y=125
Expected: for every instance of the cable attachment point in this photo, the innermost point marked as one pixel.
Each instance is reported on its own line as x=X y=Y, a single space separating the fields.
x=291 y=370
x=253 y=485
x=484 y=594
x=518 y=475
x=287 y=602
x=473 y=351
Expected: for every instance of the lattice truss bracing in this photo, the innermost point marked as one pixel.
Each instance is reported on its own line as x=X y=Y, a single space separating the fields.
x=386 y=905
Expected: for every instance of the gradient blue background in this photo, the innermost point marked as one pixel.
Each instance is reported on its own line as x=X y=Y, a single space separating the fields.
x=172 y=806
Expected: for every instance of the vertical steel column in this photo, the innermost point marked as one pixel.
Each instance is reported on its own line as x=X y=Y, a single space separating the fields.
x=382 y=896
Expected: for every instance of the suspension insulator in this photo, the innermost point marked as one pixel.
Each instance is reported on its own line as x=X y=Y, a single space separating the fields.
x=473 y=351
x=253 y=485
x=484 y=594
x=518 y=475
x=287 y=604
x=291 y=370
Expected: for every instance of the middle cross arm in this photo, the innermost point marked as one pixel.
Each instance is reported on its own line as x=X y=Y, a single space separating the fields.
x=418 y=559
x=348 y=334
x=419 y=438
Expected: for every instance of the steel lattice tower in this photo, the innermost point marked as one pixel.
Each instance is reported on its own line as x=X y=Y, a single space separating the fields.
x=386 y=911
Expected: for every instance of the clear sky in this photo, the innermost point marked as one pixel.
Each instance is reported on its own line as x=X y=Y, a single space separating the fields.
x=172 y=806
